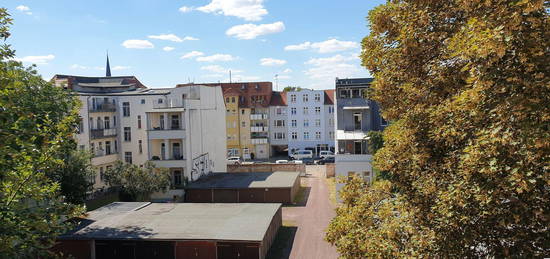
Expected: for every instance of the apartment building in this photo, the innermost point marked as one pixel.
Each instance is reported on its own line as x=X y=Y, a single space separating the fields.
x=247 y=118
x=278 y=124
x=355 y=116
x=310 y=120
x=179 y=128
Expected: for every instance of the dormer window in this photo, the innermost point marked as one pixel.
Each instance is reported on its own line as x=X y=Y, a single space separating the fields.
x=243 y=86
x=160 y=101
x=257 y=86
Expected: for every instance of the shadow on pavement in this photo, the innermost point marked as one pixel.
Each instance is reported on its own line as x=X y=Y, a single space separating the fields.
x=282 y=245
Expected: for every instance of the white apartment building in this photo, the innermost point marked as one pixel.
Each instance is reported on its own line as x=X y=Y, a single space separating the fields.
x=182 y=129
x=278 y=124
x=310 y=120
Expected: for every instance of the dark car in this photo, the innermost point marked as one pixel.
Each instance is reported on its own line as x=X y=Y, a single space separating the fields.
x=308 y=161
x=326 y=160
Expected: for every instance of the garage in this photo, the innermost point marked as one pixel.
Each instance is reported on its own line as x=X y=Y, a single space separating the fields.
x=272 y=187
x=138 y=230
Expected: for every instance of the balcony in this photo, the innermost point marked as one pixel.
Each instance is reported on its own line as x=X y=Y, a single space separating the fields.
x=104 y=107
x=351 y=134
x=169 y=103
x=101 y=157
x=169 y=162
x=257 y=141
x=259 y=129
x=102 y=133
x=176 y=133
x=258 y=116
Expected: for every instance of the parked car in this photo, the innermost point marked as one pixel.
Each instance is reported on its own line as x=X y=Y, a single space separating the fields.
x=281 y=162
x=326 y=153
x=308 y=161
x=301 y=154
x=326 y=160
x=298 y=162
x=234 y=160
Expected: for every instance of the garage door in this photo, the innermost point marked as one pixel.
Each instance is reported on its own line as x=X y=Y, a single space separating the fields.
x=198 y=195
x=281 y=195
x=252 y=195
x=227 y=250
x=225 y=196
x=114 y=249
x=134 y=249
x=156 y=249
x=195 y=250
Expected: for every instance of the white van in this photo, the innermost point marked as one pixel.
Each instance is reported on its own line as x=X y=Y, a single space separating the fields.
x=300 y=154
x=326 y=153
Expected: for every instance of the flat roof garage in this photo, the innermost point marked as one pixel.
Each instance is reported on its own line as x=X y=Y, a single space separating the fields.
x=275 y=187
x=174 y=230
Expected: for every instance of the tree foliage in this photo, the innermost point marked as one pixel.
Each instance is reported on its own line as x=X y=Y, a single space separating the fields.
x=36 y=121
x=138 y=182
x=466 y=86
x=74 y=174
x=292 y=89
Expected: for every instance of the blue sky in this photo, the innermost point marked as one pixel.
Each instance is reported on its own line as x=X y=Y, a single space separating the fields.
x=163 y=43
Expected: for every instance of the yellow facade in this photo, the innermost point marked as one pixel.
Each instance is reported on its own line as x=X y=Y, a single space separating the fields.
x=238 y=128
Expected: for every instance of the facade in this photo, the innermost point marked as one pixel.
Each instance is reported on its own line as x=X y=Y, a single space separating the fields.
x=355 y=116
x=177 y=128
x=310 y=120
x=278 y=124
x=247 y=118
x=167 y=230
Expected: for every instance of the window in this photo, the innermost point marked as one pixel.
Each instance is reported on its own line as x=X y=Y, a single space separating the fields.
x=293 y=111
x=142 y=101
x=233 y=152
x=82 y=147
x=242 y=111
x=279 y=123
x=356 y=93
x=116 y=146
x=161 y=121
x=317 y=110
x=100 y=147
x=279 y=111
x=344 y=93
x=293 y=123
x=350 y=175
x=126 y=109
x=330 y=121
x=139 y=121
x=317 y=97
x=294 y=135
x=177 y=177
x=101 y=174
x=160 y=101
x=107 y=147
x=80 y=128
x=175 y=122
x=305 y=98
x=383 y=122
x=318 y=123
x=128 y=157
x=127 y=134
x=92 y=148
x=227 y=100
x=233 y=99
x=279 y=135
x=330 y=109
x=317 y=135
x=114 y=121
x=243 y=124
x=306 y=135
x=140 y=146
x=306 y=123
x=331 y=134
x=357 y=120
x=306 y=110
x=292 y=98
x=107 y=122
x=91 y=123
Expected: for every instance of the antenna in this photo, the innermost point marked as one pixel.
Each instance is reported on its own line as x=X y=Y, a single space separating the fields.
x=277 y=82
x=230 y=76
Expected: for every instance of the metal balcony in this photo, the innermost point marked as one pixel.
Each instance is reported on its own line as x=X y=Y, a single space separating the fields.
x=104 y=107
x=102 y=133
x=259 y=129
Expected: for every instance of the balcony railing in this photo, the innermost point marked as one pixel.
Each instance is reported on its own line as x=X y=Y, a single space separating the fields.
x=259 y=129
x=102 y=133
x=258 y=116
x=104 y=107
x=169 y=103
x=100 y=153
x=257 y=141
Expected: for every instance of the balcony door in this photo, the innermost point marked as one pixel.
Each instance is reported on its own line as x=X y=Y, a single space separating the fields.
x=161 y=122
x=357 y=117
x=163 y=151
x=176 y=150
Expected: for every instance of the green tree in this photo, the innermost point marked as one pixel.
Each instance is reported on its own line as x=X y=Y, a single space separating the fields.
x=137 y=183
x=466 y=86
x=36 y=120
x=376 y=142
x=292 y=88
x=74 y=175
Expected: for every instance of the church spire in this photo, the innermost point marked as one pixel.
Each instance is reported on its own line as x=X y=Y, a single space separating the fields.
x=108 y=68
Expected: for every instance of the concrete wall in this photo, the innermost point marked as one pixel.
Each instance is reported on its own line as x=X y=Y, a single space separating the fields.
x=266 y=168
x=330 y=170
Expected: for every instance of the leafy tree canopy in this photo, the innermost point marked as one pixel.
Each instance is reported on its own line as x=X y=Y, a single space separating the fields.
x=292 y=89
x=37 y=120
x=138 y=182
x=466 y=86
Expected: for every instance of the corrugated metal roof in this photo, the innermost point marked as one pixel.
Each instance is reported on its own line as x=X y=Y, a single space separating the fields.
x=245 y=180
x=178 y=221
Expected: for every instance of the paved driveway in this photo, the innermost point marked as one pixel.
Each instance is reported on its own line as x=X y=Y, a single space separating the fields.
x=313 y=219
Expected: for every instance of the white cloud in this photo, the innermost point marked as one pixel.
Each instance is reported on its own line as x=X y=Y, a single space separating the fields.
x=272 y=62
x=216 y=58
x=332 y=67
x=213 y=75
x=328 y=46
x=251 y=31
x=137 y=44
x=219 y=69
x=170 y=37
x=189 y=38
x=167 y=48
x=77 y=66
x=23 y=8
x=192 y=54
x=288 y=70
x=39 y=60
x=249 y=10
x=117 y=68
x=284 y=77
x=185 y=9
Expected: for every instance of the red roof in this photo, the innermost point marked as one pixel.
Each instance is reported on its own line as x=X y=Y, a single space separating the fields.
x=278 y=99
x=329 y=96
